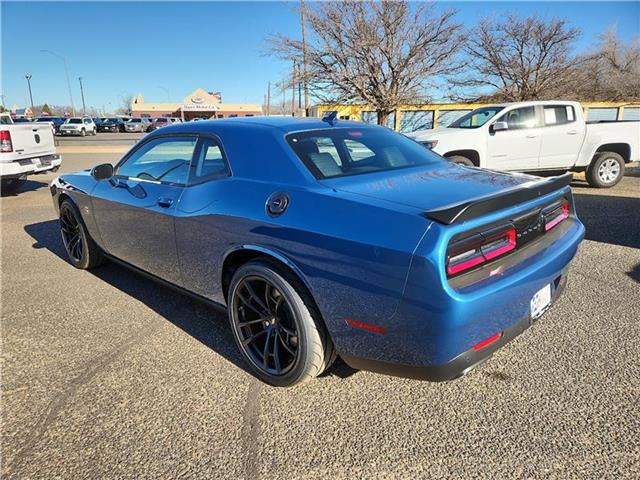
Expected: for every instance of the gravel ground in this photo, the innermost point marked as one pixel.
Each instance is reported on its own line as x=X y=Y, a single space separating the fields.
x=108 y=375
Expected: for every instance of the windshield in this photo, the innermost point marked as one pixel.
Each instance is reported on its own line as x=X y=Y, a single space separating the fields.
x=340 y=152
x=135 y=120
x=111 y=120
x=476 y=118
x=74 y=120
x=162 y=120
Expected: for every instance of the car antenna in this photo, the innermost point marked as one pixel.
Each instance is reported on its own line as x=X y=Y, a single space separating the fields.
x=330 y=117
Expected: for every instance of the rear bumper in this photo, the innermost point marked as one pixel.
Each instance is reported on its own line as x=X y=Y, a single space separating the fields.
x=458 y=366
x=29 y=166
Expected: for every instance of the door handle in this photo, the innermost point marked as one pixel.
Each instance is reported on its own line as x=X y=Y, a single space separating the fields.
x=165 y=202
x=572 y=132
x=531 y=135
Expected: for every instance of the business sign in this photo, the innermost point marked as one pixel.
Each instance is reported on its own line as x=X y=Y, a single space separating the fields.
x=193 y=107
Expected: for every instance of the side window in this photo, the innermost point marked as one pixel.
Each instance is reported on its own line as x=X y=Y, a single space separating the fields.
x=558 y=114
x=164 y=159
x=520 y=118
x=209 y=162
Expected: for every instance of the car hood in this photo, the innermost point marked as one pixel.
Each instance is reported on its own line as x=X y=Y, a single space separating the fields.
x=436 y=133
x=432 y=187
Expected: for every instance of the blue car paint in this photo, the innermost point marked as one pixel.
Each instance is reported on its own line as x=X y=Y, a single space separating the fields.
x=361 y=244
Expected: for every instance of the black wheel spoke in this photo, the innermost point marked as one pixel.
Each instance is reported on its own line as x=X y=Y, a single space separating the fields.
x=265 y=351
x=276 y=352
x=247 y=303
x=252 y=322
x=256 y=298
x=286 y=345
x=253 y=338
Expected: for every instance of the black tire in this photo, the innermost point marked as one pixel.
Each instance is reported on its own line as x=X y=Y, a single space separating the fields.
x=83 y=133
x=605 y=170
x=93 y=132
x=82 y=251
x=12 y=185
x=293 y=323
x=461 y=160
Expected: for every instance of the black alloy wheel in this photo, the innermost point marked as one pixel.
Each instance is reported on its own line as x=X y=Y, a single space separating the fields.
x=276 y=324
x=72 y=235
x=266 y=326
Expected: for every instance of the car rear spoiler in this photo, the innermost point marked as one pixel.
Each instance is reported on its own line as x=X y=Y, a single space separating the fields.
x=475 y=208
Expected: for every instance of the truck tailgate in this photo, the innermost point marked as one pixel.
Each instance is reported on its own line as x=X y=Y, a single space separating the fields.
x=31 y=140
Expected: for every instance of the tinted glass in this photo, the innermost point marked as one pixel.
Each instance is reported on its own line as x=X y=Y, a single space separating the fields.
x=210 y=162
x=74 y=120
x=558 y=114
x=476 y=118
x=330 y=153
x=447 y=117
x=162 y=159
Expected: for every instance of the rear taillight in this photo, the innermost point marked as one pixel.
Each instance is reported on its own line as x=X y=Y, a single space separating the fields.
x=5 y=141
x=465 y=254
x=555 y=215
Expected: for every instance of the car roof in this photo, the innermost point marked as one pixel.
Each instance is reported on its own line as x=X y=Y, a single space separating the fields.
x=284 y=124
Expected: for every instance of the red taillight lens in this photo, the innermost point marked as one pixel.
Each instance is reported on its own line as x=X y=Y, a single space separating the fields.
x=465 y=254
x=555 y=216
x=5 y=141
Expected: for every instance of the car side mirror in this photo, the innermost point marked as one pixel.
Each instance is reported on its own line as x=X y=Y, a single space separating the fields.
x=103 y=171
x=496 y=127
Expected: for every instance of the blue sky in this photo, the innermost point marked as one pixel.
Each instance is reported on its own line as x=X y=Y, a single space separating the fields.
x=153 y=47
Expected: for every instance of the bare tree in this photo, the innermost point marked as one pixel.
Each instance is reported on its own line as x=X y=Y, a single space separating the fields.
x=612 y=71
x=382 y=54
x=520 y=59
x=126 y=102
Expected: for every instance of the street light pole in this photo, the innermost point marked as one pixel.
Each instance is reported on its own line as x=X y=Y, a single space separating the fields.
x=66 y=71
x=84 y=108
x=28 y=77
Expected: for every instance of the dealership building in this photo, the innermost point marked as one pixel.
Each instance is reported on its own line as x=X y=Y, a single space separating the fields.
x=199 y=103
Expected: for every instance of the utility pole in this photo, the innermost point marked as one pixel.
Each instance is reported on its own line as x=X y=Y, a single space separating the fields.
x=304 y=58
x=293 y=90
x=84 y=108
x=28 y=77
x=269 y=98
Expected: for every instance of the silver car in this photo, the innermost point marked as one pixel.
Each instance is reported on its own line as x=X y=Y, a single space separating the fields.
x=136 y=125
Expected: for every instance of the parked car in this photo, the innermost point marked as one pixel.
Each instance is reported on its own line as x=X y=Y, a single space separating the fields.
x=159 y=123
x=82 y=126
x=25 y=150
x=56 y=122
x=538 y=136
x=112 y=124
x=394 y=258
x=136 y=125
x=98 y=122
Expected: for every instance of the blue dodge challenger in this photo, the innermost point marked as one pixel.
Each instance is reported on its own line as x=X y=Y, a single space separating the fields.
x=325 y=238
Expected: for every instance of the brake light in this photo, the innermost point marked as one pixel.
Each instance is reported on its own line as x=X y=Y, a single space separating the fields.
x=555 y=216
x=5 y=141
x=465 y=254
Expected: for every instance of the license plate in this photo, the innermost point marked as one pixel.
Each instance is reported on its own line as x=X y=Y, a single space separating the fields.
x=540 y=301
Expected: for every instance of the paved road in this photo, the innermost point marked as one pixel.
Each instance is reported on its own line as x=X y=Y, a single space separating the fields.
x=107 y=375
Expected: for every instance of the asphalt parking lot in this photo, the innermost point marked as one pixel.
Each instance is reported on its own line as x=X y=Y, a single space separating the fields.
x=108 y=375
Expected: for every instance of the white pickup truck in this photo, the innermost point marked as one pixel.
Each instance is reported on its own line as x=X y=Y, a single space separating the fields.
x=538 y=136
x=25 y=149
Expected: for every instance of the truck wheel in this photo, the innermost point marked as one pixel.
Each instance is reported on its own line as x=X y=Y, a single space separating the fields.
x=10 y=185
x=276 y=325
x=83 y=133
x=460 y=160
x=606 y=169
x=82 y=251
